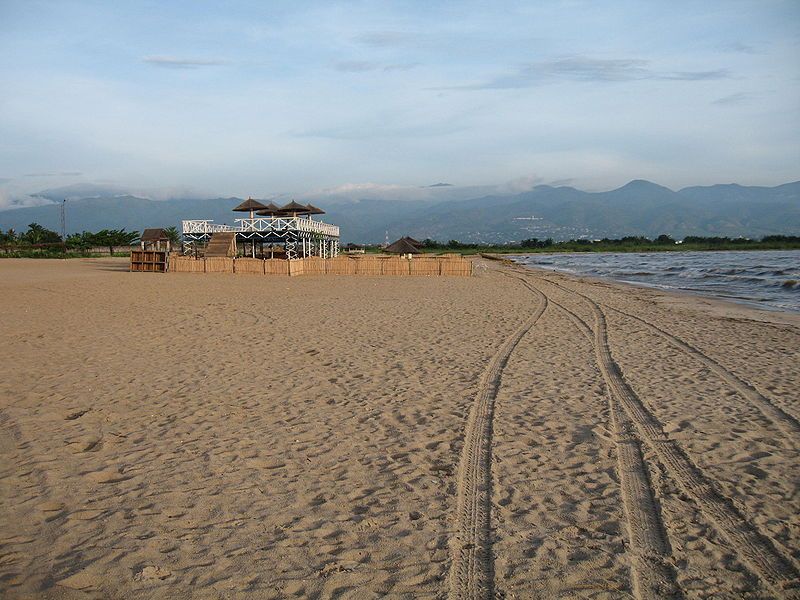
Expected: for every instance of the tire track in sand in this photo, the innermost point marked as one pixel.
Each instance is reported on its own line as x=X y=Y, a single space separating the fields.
x=754 y=548
x=651 y=575
x=783 y=420
x=472 y=569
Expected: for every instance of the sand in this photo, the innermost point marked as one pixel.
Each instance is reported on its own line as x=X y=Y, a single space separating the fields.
x=519 y=434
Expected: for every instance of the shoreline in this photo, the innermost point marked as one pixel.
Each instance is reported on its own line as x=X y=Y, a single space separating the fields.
x=666 y=288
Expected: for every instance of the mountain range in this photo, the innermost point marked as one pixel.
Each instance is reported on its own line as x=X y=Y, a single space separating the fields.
x=637 y=208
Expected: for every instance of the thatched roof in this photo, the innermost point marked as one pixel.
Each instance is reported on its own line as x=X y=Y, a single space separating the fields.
x=249 y=205
x=412 y=241
x=313 y=210
x=269 y=209
x=154 y=235
x=402 y=246
x=294 y=207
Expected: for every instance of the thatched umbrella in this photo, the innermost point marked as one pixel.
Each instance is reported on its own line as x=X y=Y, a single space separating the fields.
x=313 y=210
x=250 y=206
x=402 y=246
x=294 y=209
x=269 y=210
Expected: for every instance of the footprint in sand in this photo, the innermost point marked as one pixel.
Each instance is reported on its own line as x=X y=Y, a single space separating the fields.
x=107 y=476
x=152 y=573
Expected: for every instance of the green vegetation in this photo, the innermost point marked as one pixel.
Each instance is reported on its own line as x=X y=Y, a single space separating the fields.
x=663 y=243
x=38 y=242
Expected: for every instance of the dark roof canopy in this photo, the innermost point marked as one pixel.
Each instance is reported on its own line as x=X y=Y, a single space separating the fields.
x=313 y=210
x=269 y=209
x=412 y=241
x=154 y=235
x=249 y=205
x=294 y=207
x=402 y=246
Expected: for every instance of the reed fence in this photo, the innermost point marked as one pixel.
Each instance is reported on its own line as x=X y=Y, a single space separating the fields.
x=219 y=264
x=276 y=266
x=393 y=266
x=253 y=266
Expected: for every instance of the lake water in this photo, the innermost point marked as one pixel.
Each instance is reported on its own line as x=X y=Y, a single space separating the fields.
x=755 y=277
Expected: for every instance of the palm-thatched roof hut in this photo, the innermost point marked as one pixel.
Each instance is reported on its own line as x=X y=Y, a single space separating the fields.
x=402 y=246
x=269 y=210
x=294 y=209
x=250 y=205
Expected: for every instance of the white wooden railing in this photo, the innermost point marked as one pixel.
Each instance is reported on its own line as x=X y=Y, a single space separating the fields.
x=205 y=227
x=261 y=225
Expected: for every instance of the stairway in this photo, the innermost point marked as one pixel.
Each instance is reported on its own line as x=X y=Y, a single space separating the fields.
x=221 y=244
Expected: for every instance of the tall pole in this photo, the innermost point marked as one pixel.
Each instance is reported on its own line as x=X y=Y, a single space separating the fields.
x=64 y=224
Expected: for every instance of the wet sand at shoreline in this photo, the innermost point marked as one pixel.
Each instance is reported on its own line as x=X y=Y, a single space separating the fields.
x=234 y=436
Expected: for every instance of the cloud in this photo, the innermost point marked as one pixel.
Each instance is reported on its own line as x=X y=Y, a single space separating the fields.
x=732 y=99
x=173 y=62
x=362 y=66
x=587 y=69
x=384 y=39
x=10 y=200
x=382 y=129
x=520 y=184
x=55 y=174
x=739 y=47
x=695 y=75
x=400 y=67
x=355 y=66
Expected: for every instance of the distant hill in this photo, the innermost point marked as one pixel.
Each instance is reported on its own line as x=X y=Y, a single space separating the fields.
x=637 y=208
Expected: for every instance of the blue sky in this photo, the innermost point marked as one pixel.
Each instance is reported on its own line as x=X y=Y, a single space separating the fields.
x=256 y=98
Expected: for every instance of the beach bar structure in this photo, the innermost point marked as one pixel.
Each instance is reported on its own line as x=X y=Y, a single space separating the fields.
x=290 y=227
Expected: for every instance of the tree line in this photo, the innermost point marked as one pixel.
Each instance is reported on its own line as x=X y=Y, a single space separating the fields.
x=630 y=243
x=45 y=240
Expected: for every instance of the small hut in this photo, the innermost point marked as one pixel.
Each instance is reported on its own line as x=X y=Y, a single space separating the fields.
x=354 y=249
x=155 y=249
x=402 y=246
x=413 y=242
x=155 y=239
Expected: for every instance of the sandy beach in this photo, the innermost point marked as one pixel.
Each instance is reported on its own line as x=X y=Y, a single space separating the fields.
x=516 y=434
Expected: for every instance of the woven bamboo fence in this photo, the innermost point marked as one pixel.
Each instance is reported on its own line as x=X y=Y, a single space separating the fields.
x=428 y=266
x=254 y=266
x=394 y=266
x=341 y=265
x=219 y=264
x=186 y=264
x=368 y=265
x=296 y=267
x=455 y=266
x=313 y=266
x=275 y=266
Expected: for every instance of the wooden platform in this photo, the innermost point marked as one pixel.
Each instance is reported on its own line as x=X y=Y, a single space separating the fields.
x=153 y=261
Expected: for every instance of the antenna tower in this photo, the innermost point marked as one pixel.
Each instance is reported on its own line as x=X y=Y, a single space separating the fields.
x=64 y=220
